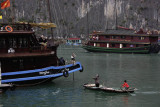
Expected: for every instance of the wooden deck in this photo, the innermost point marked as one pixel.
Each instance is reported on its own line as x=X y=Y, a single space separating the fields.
x=16 y=32
x=25 y=54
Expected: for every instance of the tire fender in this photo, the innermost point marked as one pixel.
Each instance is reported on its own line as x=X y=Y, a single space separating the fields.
x=81 y=69
x=65 y=73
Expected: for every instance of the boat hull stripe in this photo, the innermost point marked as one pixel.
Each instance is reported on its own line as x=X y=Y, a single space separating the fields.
x=38 y=77
x=38 y=70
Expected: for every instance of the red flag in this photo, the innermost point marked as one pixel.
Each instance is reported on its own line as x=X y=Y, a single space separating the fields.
x=5 y=4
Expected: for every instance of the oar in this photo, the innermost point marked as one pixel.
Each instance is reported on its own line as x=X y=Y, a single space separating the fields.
x=125 y=90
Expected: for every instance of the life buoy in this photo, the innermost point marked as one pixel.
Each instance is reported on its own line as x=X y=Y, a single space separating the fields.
x=65 y=73
x=9 y=29
x=81 y=69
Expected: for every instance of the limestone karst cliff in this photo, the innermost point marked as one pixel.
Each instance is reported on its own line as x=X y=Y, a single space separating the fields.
x=80 y=17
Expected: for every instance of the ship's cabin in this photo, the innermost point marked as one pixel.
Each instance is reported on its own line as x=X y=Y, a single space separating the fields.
x=121 y=39
x=21 y=50
x=21 y=39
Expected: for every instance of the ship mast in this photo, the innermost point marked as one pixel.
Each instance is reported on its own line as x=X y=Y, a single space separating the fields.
x=49 y=11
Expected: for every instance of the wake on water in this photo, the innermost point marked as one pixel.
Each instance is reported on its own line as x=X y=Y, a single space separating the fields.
x=149 y=92
x=56 y=91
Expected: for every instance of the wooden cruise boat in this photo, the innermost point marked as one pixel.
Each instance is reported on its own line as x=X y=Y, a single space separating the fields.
x=123 y=41
x=24 y=61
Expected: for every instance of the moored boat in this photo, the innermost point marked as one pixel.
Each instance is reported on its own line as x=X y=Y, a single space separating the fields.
x=26 y=61
x=74 y=41
x=123 y=41
x=107 y=89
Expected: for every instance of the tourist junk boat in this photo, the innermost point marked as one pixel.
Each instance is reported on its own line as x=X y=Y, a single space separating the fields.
x=123 y=40
x=25 y=62
x=106 y=89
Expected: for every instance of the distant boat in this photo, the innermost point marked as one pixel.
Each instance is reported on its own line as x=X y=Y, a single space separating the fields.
x=74 y=41
x=123 y=41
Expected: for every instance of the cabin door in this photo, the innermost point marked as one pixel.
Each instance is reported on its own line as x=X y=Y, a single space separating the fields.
x=107 y=45
x=94 y=44
x=120 y=46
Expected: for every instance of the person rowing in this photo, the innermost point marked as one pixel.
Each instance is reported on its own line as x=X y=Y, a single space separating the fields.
x=96 y=80
x=125 y=85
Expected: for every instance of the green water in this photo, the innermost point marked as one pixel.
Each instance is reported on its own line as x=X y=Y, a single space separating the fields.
x=140 y=70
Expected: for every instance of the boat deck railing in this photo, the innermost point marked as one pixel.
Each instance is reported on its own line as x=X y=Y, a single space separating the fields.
x=16 y=26
x=32 y=51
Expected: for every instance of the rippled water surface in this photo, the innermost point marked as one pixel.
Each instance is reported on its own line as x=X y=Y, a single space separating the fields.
x=141 y=70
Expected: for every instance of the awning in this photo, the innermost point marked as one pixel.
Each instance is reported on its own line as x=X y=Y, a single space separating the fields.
x=42 y=25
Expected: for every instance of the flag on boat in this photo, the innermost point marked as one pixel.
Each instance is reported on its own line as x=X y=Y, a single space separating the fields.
x=5 y=4
x=0 y=16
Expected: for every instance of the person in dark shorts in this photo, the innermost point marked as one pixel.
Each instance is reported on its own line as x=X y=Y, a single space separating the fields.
x=96 y=80
x=73 y=58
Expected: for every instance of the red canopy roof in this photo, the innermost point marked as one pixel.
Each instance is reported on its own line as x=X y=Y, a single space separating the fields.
x=73 y=39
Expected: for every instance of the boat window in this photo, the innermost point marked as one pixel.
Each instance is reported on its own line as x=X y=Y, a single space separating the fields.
x=114 y=37
x=124 y=45
x=2 y=43
x=21 y=66
x=14 y=61
x=23 y=42
x=131 y=46
x=141 y=37
x=12 y=43
x=107 y=36
x=32 y=42
x=123 y=37
x=131 y=37
x=137 y=45
x=113 y=45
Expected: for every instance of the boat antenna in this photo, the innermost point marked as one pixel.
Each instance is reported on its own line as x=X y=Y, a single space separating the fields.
x=49 y=11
